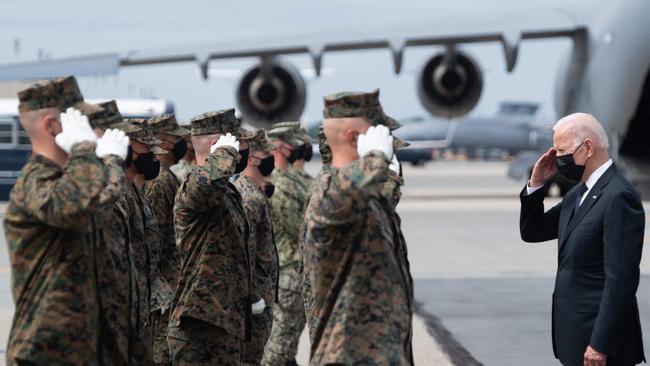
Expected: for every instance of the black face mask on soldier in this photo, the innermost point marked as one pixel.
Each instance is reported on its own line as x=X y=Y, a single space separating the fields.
x=179 y=150
x=269 y=189
x=567 y=167
x=147 y=166
x=242 y=162
x=267 y=165
x=308 y=152
x=295 y=155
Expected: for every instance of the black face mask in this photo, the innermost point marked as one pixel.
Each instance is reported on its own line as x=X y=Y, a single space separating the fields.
x=267 y=165
x=147 y=166
x=307 y=153
x=568 y=168
x=242 y=162
x=179 y=150
x=129 y=158
x=295 y=155
x=269 y=189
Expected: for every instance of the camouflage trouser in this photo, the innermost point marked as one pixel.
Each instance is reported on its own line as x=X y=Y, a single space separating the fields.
x=160 y=348
x=199 y=343
x=254 y=349
x=288 y=318
x=308 y=300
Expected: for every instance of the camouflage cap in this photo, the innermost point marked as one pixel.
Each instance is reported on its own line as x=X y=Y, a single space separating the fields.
x=167 y=125
x=260 y=142
x=61 y=93
x=220 y=122
x=398 y=143
x=304 y=136
x=106 y=117
x=358 y=104
x=286 y=132
x=138 y=130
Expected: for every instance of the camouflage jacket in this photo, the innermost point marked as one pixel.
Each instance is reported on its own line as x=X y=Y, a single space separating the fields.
x=264 y=257
x=212 y=234
x=48 y=231
x=287 y=212
x=116 y=281
x=360 y=296
x=152 y=292
x=160 y=193
x=181 y=170
x=305 y=179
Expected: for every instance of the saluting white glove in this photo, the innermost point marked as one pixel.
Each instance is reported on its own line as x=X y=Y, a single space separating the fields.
x=225 y=140
x=394 y=165
x=258 y=307
x=75 y=128
x=114 y=142
x=376 y=138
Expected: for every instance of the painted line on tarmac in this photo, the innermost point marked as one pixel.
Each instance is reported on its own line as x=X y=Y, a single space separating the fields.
x=457 y=353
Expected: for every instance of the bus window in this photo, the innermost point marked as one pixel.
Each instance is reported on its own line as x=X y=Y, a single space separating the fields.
x=6 y=131
x=22 y=136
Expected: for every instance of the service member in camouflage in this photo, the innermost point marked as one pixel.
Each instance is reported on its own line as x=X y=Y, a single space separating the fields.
x=306 y=153
x=183 y=167
x=264 y=258
x=287 y=209
x=361 y=299
x=116 y=273
x=161 y=193
x=211 y=313
x=152 y=293
x=48 y=227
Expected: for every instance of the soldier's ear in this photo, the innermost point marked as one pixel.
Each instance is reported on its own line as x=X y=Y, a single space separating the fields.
x=49 y=122
x=351 y=137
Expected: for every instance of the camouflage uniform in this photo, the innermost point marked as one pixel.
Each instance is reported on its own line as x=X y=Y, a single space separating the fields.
x=181 y=170
x=119 y=341
x=362 y=302
x=48 y=229
x=287 y=209
x=264 y=264
x=153 y=293
x=211 y=314
x=161 y=192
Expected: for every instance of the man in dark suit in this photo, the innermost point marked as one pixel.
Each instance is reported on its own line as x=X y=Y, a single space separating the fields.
x=600 y=227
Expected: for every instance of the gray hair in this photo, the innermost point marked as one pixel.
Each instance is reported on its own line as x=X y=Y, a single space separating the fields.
x=583 y=126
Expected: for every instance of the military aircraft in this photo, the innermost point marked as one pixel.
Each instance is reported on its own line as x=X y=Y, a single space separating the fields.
x=605 y=73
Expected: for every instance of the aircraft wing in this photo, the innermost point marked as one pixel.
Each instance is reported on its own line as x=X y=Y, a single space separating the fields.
x=506 y=28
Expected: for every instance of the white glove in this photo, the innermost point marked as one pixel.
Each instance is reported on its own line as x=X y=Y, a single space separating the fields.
x=258 y=307
x=376 y=138
x=114 y=142
x=394 y=165
x=75 y=128
x=225 y=140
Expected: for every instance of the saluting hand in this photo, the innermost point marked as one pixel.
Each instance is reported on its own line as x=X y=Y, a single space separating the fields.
x=544 y=169
x=377 y=138
x=74 y=129
x=225 y=140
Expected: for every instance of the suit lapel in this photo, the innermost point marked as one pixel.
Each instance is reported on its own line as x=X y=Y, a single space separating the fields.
x=592 y=196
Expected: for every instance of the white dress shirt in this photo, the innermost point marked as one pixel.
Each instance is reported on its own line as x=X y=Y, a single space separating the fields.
x=591 y=181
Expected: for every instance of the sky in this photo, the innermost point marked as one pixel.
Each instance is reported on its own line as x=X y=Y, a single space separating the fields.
x=69 y=28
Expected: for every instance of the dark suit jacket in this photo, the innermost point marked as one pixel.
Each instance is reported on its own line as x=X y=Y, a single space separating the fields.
x=599 y=250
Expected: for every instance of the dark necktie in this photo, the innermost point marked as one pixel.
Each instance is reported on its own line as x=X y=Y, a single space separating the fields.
x=582 y=188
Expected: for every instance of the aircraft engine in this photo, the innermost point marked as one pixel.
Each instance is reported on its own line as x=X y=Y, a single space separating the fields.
x=270 y=92
x=450 y=84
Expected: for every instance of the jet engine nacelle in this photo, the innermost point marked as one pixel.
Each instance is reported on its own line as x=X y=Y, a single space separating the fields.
x=272 y=91
x=450 y=84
